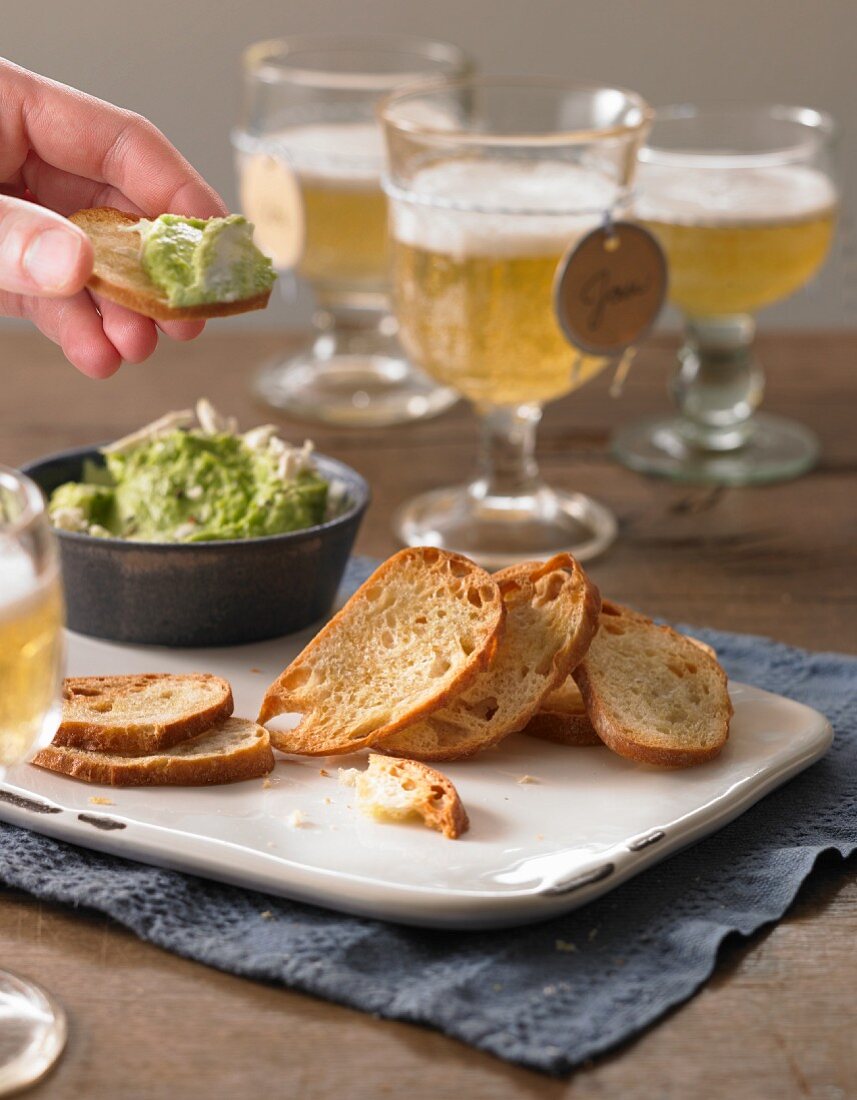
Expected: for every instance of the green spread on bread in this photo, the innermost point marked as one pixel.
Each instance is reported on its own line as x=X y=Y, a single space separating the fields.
x=196 y=261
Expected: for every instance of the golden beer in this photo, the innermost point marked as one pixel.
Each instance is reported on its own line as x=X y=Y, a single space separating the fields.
x=31 y=615
x=740 y=242
x=473 y=284
x=317 y=204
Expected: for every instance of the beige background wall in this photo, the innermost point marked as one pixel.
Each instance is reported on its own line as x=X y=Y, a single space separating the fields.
x=177 y=62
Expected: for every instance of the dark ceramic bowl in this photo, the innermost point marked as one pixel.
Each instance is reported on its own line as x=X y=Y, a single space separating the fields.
x=203 y=593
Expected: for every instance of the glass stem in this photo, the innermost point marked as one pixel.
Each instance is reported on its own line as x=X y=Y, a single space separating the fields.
x=343 y=331
x=719 y=384
x=507 y=462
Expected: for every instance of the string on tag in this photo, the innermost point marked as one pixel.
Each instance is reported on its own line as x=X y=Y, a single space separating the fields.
x=576 y=367
x=623 y=368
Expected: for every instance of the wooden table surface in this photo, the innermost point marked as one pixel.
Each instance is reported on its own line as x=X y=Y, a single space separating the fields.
x=778 y=1017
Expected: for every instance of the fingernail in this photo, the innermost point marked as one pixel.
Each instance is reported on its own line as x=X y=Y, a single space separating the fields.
x=51 y=259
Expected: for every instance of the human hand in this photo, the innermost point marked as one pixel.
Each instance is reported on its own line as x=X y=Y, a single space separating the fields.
x=62 y=151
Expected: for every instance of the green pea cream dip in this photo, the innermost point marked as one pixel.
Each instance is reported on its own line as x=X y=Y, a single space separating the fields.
x=196 y=261
x=175 y=482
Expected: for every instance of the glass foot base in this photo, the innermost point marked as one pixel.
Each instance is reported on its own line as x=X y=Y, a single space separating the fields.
x=355 y=390
x=32 y=1033
x=777 y=450
x=496 y=532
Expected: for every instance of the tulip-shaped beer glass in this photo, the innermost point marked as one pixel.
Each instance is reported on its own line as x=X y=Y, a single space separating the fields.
x=743 y=203
x=32 y=1025
x=309 y=156
x=490 y=182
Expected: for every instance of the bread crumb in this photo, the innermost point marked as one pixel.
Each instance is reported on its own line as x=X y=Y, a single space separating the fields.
x=527 y=779
x=593 y=932
x=256 y=670
x=327 y=801
x=266 y=914
x=565 y=945
x=296 y=819
x=324 y=772
x=266 y=783
x=348 y=776
x=97 y=800
x=540 y=836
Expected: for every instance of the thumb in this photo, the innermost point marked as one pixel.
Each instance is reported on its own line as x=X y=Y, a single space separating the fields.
x=41 y=252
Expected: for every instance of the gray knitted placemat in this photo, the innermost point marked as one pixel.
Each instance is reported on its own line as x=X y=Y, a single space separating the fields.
x=546 y=996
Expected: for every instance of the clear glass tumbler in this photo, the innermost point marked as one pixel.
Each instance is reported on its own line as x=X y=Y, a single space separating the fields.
x=32 y=1024
x=743 y=201
x=490 y=183
x=310 y=155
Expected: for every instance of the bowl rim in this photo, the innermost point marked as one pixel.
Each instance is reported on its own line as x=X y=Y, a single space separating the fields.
x=358 y=482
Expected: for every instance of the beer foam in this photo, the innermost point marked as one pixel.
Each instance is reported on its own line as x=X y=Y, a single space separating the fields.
x=501 y=207
x=711 y=194
x=340 y=154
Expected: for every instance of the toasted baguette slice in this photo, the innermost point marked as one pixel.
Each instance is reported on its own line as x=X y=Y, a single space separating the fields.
x=119 y=275
x=653 y=695
x=416 y=633
x=562 y=718
x=232 y=750
x=395 y=790
x=551 y=616
x=138 y=715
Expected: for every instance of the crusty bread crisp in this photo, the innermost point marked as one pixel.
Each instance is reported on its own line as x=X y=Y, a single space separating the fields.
x=415 y=634
x=138 y=715
x=653 y=695
x=551 y=617
x=119 y=275
x=395 y=790
x=232 y=750
x=562 y=718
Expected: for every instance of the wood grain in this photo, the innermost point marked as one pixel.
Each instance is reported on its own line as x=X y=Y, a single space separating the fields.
x=778 y=1016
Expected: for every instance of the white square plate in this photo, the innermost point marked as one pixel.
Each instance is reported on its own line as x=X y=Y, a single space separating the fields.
x=588 y=821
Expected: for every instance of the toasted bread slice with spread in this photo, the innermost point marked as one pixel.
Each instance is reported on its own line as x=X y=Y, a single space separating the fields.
x=234 y=749
x=396 y=790
x=653 y=695
x=551 y=617
x=139 y=715
x=562 y=718
x=419 y=630
x=119 y=276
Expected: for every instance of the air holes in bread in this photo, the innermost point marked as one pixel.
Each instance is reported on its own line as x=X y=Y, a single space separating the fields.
x=440 y=665
x=297 y=677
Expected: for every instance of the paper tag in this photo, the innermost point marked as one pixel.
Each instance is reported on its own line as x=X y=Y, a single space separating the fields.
x=609 y=288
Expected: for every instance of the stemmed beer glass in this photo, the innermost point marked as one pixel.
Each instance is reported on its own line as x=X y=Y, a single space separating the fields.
x=490 y=182
x=309 y=155
x=743 y=202
x=32 y=1025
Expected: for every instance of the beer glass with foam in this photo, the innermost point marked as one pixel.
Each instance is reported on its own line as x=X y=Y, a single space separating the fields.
x=490 y=183
x=32 y=1025
x=309 y=157
x=743 y=201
